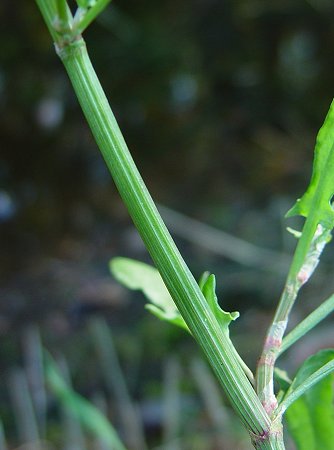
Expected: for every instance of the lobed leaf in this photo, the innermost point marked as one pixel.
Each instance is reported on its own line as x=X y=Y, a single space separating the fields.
x=136 y=275
x=209 y=291
x=318 y=196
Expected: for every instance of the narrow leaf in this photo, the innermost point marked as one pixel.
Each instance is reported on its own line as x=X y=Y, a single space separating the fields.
x=87 y=14
x=308 y=323
x=309 y=403
x=85 y=412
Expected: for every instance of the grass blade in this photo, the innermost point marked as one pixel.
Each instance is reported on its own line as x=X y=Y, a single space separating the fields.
x=115 y=382
x=73 y=437
x=212 y=399
x=89 y=417
x=33 y=354
x=172 y=404
x=23 y=409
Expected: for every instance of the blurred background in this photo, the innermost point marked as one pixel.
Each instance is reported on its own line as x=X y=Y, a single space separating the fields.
x=219 y=102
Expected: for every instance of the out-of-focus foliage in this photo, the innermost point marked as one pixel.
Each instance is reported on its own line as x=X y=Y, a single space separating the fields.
x=89 y=416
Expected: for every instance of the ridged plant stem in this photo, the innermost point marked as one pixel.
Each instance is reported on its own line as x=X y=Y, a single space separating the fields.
x=178 y=279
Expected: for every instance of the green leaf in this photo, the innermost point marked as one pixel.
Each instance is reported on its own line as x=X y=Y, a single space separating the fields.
x=317 y=198
x=308 y=323
x=85 y=412
x=136 y=275
x=310 y=418
x=284 y=382
x=209 y=291
x=207 y=284
x=282 y=377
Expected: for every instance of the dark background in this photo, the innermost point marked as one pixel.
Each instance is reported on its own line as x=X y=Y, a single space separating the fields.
x=219 y=102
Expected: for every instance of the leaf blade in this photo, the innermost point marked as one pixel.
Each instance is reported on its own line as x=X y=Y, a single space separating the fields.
x=86 y=413
x=315 y=407
x=137 y=275
x=317 y=198
x=306 y=325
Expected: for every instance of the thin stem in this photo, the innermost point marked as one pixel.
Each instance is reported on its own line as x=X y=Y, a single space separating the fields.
x=313 y=319
x=49 y=12
x=294 y=394
x=180 y=282
x=88 y=16
x=299 y=274
x=303 y=265
x=62 y=10
x=64 y=16
x=177 y=277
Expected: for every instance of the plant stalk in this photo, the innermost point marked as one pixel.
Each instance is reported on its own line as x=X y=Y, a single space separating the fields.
x=178 y=279
x=175 y=273
x=304 y=263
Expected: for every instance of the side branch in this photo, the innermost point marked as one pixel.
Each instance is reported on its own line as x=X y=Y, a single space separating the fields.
x=273 y=341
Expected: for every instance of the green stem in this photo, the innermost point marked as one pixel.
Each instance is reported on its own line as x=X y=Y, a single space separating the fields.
x=175 y=273
x=300 y=271
x=180 y=282
x=306 y=258
x=64 y=16
x=293 y=394
x=274 y=444
x=49 y=12
x=89 y=15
